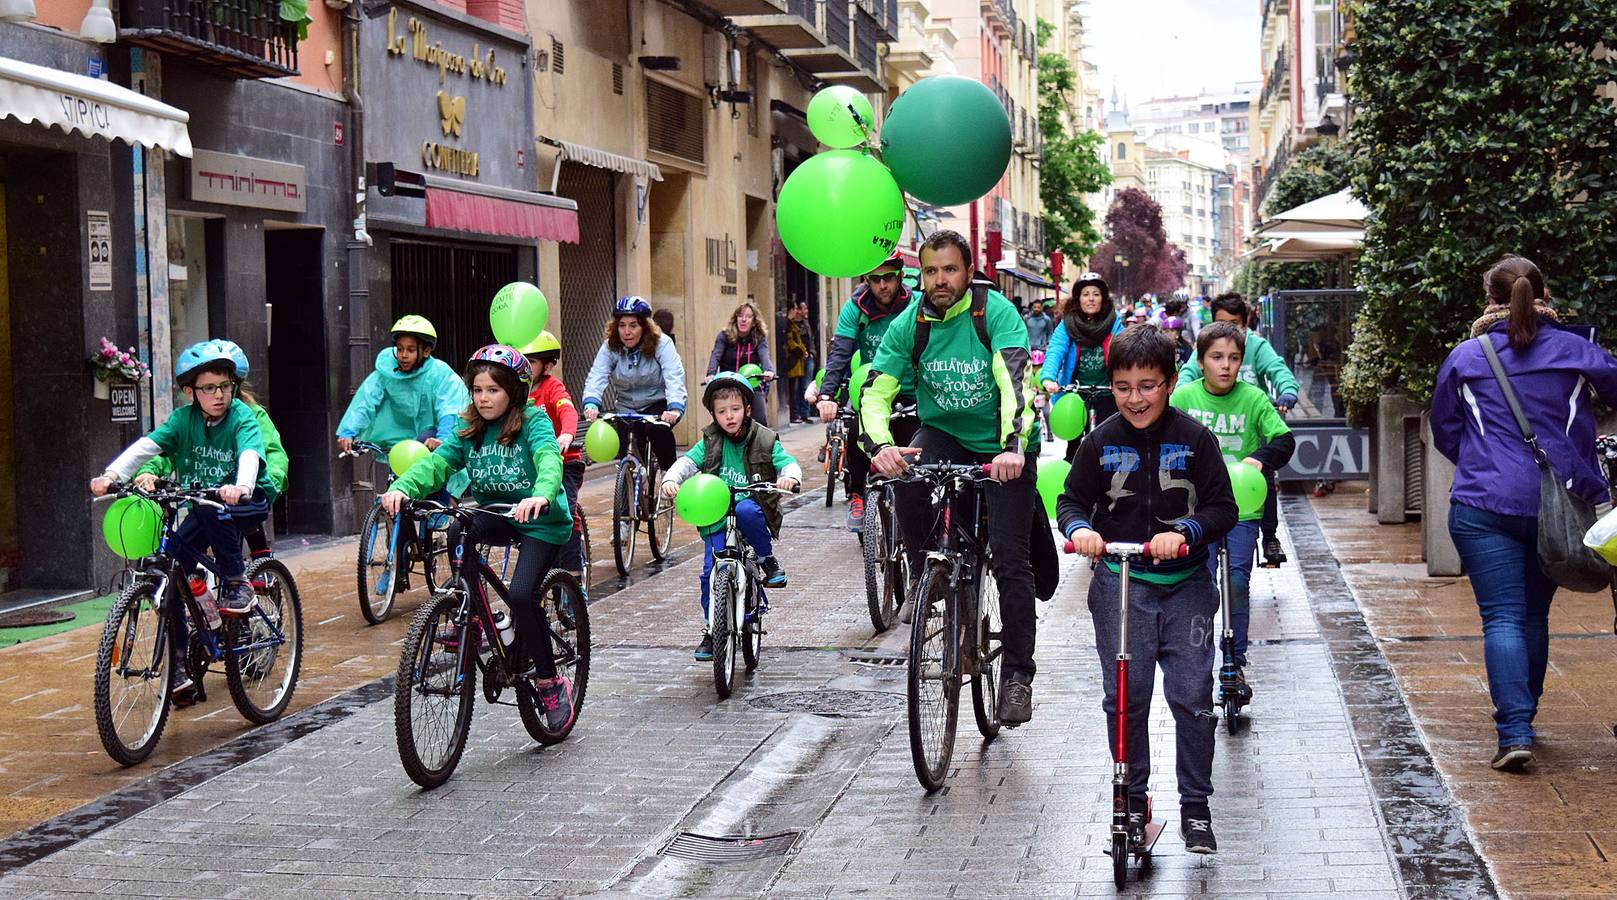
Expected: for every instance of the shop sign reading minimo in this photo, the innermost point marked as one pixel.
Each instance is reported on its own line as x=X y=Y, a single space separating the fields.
x=244 y=181
x=479 y=65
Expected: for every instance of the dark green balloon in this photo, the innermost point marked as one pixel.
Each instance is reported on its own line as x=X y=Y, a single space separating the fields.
x=947 y=140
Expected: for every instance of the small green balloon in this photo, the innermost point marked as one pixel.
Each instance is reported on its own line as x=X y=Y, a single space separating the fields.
x=754 y=374
x=1068 y=417
x=856 y=386
x=601 y=441
x=702 y=500
x=1250 y=488
x=133 y=527
x=840 y=116
x=406 y=454
x=1052 y=478
x=840 y=213
x=518 y=313
x=947 y=139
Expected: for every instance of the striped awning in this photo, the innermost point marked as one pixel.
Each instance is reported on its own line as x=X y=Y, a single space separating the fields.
x=602 y=159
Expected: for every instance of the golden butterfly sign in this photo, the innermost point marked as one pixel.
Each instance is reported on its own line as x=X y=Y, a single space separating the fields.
x=451 y=113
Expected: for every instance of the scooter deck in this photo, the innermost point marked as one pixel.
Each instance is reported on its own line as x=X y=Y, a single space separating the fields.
x=1153 y=831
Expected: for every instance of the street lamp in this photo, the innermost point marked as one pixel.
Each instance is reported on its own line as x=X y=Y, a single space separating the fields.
x=1122 y=261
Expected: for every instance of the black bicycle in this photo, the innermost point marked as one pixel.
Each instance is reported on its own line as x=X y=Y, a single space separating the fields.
x=735 y=608
x=956 y=629
x=386 y=561
x=457 y=634
x=636 y=503
x=158 y=622
x=887 y=568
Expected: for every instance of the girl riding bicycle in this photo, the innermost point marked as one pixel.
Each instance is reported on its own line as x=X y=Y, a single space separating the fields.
x=1080 y=345
x=643 y=369
x=509 y=450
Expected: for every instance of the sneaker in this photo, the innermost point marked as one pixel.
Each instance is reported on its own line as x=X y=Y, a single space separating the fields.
x=1514 y=758
x=774 y=575
x=704 y=650
x=1196 y=827
x=1015 y=699
x=856 y=513
x=237 y=597
x=1273 y=555
x=184 y=692
x=556 y=702
x=1242 y=691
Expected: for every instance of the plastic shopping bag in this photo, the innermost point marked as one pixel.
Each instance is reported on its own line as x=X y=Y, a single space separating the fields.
x=1602 y=537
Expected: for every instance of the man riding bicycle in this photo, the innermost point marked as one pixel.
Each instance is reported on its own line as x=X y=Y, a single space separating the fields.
x=964 y=349
x=863 y=321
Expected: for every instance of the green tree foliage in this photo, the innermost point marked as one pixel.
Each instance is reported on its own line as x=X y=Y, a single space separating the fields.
x=1481 y=133
x=1073 y=165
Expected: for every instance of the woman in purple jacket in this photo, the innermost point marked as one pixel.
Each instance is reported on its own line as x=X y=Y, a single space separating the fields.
x=1493 y=515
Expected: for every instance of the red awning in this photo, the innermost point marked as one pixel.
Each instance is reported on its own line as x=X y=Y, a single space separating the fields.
x=460 y=211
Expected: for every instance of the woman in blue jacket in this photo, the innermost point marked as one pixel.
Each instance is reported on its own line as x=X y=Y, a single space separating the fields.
x=1493 y=515
x=643 y=369
x=1078 y=348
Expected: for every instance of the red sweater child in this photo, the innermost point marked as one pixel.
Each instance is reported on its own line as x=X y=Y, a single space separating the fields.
x=551 y=396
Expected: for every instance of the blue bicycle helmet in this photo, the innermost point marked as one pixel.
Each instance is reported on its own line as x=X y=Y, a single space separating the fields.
x=631 y=306
x=204 y=352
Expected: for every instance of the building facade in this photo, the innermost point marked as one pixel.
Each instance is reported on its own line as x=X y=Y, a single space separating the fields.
x=1305 y=96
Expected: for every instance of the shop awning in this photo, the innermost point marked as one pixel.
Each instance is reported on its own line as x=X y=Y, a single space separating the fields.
x=90 y=106
x=481 y=209
x=1026 y=277
x=602 y=159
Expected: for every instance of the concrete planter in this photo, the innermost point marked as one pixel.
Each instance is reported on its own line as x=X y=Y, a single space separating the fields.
x=1437 y=548
x=1397 y=460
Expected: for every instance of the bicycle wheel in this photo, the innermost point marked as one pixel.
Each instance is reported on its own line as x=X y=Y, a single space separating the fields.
x=266 y=652
x=434 y=546
x=833 y=470
x=752 y=632
x=586 y=575
x=721 y=600
x=435 y=689
x=132 y=671
x=660 y=522
x=880 y=595
x=933 y=688
x=570 y=642
x=986 y=630
x=625 y=526
x=375 y=559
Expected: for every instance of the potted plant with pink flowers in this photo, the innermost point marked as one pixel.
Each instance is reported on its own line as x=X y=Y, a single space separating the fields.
x=110 y=364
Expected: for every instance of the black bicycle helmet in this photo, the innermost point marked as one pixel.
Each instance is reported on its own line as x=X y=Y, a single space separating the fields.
x=727 y=380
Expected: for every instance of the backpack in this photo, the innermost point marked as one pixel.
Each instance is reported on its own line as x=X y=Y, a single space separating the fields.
x=979 y=319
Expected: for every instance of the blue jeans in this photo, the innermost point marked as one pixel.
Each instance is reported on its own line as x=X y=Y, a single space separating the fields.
x=1243 y=547
x=1513 y=594
x=754 y=530
x=206 y=528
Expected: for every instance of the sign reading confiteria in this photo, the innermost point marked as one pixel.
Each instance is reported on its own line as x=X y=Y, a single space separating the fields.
x=245 y=181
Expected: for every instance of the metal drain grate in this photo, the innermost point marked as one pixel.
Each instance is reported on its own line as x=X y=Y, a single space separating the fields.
x=835 y=703
x=875 y=658
x=706 y=849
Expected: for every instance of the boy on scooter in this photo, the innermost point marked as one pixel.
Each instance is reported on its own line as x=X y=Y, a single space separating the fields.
x=1156 y=476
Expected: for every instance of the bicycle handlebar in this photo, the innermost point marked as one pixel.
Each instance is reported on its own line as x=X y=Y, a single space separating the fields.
x=1120 y=549
x=361 y=448
x=766 y=487
x=166 y=492
x=634 y=417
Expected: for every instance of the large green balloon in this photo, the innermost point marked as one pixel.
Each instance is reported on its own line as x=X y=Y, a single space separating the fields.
x=406 y=454
x=133 y=527
x=947 y=140
x=702 y=500
x=1052 y=478
x=840 y=213
x=1250 y=487
x=601 y=441
x=519 y=312
x=856 y=386
x=1068 y=417
x=840 y=116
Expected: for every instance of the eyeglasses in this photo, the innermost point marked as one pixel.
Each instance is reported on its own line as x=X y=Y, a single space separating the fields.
x=1144 y=389
x=215 y=390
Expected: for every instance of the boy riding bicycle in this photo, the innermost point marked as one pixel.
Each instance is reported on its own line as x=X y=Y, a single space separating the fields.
x=1248 y=431
x=741 y=451
x=550 y=395
x=1145 y=468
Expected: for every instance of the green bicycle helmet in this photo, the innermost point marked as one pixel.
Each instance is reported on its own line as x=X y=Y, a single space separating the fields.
x=416 y=327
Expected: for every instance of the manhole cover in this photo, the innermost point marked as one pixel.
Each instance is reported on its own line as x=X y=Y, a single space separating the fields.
x=833 y=702
x=708 y=849
x=25 y=617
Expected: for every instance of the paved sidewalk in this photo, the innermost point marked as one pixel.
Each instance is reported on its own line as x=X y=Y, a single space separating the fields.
x=332 y=814
x=1543 y=834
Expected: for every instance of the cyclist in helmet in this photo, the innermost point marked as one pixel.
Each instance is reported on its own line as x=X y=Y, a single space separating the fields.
x=740 y=450
x=509 y=450
x=1080 y=344
x=550 y=395
x=214 y=442
x=644 y=370
x=409 y=395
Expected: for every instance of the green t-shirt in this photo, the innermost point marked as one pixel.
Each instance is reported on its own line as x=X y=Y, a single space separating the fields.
x=963 y=388
x=733 y=467
x=1242 y=420
x=1091 y=368
x=529 y=466
x=208 y=455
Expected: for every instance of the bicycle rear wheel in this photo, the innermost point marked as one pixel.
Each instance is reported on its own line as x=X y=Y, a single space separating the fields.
x=132 y=671
x=933 y=688
x=586 y=575
x=833 y=470
x=986 y=630
x=721 y=601
x=880 y=561
x=435 y=689
x=375 y=561
x=262 y=678
x=625 y=524
x=570 y=643
x=660 y=521
x=752 y=632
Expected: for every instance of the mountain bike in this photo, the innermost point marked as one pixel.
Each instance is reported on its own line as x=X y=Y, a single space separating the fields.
x=833 y=453
x=736 y=603
x=636 y=503
x=456 y=635
x=956 y=629
x=157 y=624
x=385 y=559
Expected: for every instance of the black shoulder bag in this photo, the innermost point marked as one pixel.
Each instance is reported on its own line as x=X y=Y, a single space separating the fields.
x=1563 y=517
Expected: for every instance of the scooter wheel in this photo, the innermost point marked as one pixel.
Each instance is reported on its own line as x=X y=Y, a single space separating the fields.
x=1232 y=716
x=1120 y=860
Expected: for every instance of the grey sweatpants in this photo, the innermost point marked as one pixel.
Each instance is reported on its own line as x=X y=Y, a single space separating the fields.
x=1170 y=627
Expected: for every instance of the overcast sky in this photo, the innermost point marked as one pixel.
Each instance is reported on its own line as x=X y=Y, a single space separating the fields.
x=1158 y=48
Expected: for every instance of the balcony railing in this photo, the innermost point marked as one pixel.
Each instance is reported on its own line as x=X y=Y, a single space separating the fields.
x=1277 y=78
x=240 y=38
